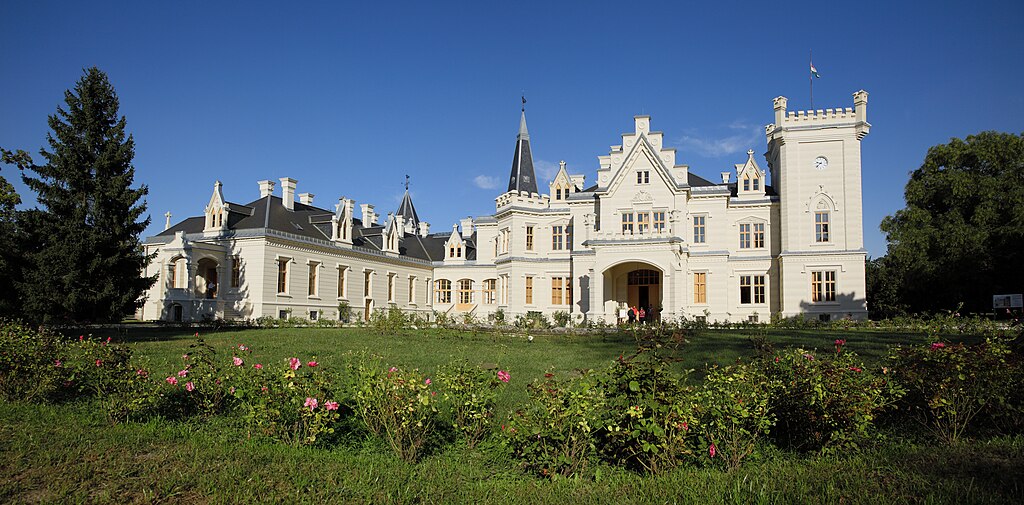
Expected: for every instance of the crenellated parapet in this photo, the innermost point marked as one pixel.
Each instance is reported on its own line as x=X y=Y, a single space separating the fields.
x=855 y=116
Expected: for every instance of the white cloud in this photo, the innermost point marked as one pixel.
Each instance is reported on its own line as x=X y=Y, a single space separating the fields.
x=711 y=147
x=485 y=182
x=545 y=171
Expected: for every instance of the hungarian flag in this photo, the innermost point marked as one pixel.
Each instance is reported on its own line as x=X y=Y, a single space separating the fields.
x=814 y=71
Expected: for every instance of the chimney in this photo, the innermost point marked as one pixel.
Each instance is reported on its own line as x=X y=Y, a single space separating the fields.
x=725 y=177
x=288 y=192
x=266 y=188
x=306 y=198
x=467 y=227
x=424 y=229
x=369 y=218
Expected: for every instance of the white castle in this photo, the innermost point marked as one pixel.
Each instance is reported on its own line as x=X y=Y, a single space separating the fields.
x=646 y=233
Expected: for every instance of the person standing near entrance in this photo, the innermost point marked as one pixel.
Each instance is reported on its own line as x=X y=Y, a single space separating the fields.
x=631 y=314
x=643 y=316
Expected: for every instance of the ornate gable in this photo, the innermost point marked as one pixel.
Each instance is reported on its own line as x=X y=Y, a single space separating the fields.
x=216 y=210
x=750 y=179
x=341 y=221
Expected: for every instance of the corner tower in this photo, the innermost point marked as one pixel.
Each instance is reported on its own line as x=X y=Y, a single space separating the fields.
x=523 y=178
x=814 y=158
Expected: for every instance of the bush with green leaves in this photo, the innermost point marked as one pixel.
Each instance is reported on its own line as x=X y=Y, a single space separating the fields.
x=561 y=318
x=954 y=390
x=825 y=401
x=649 y=415
x=399 y=406
x=734 y=412
x=468 y=398
x=554 y=433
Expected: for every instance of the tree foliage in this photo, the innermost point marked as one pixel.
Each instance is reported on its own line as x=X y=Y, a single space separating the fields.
x=960 y=238
x=83 y=257
x=10 y=258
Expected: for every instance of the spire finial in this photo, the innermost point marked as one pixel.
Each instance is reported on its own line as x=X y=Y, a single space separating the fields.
x=524 y=103
x=407 y=182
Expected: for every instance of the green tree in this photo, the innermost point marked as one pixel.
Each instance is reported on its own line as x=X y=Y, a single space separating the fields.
x=960 y=238
x=10 y=252
x=84 y=259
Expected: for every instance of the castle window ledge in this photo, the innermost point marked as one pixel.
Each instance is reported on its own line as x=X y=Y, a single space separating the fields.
x=825 y=304
x=312 y=297
x=283 y=295
x=342 y=298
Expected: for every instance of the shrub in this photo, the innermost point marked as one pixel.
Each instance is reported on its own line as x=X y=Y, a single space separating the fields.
x=388 y=322
x=396 y=405
x=469 y=394
x=344 y=312
x=553 y=434
x=498 y=317
x=825 y=402
x=561 y=318
x=953 y=389
x=648 y=416
x=734 y=406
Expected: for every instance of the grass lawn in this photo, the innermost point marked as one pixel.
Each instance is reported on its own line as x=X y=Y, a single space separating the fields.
x=71 y=453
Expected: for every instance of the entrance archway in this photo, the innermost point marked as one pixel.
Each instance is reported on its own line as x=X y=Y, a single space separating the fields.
x=634 y=284
x=206 y=278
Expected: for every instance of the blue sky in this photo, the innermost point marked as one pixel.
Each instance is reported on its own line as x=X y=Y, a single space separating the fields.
x=348 y=98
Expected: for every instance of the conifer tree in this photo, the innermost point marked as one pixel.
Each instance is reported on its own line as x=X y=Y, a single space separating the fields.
x=84 y=259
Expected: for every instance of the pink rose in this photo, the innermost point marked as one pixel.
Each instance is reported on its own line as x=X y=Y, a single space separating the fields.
x=258 y=366
x=503 y=376
x=172 y=380
x=236 y=360
x=312 y=364
x=99 y=362
x=311 y=403
x=331 y=405
x=938 y=345
x=183 y=373
x=712 y=450
x=427 y=382
x=294 y=363
x=232 y=390
x=57 y=363
x=189 y=386
x=242 y=347
x=392 y=370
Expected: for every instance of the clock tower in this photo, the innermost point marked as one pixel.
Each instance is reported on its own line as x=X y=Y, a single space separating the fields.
x=815 y=164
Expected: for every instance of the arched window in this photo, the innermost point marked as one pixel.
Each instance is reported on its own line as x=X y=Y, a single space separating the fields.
x=442 y=291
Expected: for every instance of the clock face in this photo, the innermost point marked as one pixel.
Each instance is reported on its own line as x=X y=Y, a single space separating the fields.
x=820 y=162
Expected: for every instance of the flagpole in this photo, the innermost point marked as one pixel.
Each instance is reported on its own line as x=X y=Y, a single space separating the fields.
x=810 y=76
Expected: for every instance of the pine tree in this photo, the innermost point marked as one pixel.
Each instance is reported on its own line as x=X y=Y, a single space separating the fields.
x=84 y=257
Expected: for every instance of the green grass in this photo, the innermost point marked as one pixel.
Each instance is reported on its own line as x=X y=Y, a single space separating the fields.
x=71 y=453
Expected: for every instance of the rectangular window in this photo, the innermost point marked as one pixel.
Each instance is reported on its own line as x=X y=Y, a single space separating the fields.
x=558 y=193
x=489 y=289
x=698 y=229
x=751 y=289
x=342 y=270
x=236 y=271
x=659 y=222
x=556 y=238
x=746 y=183
x=556 y=291
x=412 y=290
x=643 y=177
x=391 y=287
x=758 y=235
x=529 y=238
x=700 y=287
x=313 y=315
x=314 y=269
x=172 y=274
x=823 y=286
x=506 y=236
x=745 y=236
x=465 y=291
x=282 y=276
x=627 y=223
x=568 y=237
x=367 y=276
x=821 y=225
x=529 y=290
x=643 y=222
x=443 y=291
x=757 y=184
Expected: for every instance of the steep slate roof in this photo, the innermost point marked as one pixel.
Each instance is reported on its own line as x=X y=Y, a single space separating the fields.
x=407 y=211
x=523 y=177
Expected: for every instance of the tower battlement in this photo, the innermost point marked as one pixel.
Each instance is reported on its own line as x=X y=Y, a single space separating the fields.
x=856 y=116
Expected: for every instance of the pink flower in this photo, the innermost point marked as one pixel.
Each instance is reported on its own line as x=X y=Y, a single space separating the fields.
x=258 y=366
x=108 y=341
x=686 y=426
x=776 y=359
x=57 y=363
x=938 y=345
x=236 y=360
x=264 y=389
x=184 y=356
x=809 y=357
x=142 y=373
x=331 y=405
x=855 y=369
x=183 y=373
x=99 y=362
x=712 y=450
x=232 y=390
x=189 y=386
x=392 y=370
x=312 y=364
x=242 y=347
x=172 y=380
x=294 y=363
x=427 y=382
x=503 y=376
x=839 y=345
x=311 y=403
x=81 y=338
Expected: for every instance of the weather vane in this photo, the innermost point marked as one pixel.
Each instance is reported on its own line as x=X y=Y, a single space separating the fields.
x=524 y=103
x=407 y=182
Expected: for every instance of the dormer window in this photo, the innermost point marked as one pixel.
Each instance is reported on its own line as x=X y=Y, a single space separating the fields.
x=455 y=251
x=558 y=193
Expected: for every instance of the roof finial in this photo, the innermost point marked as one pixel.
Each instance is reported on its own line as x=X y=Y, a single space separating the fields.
x=524 y=103
x=407 y=182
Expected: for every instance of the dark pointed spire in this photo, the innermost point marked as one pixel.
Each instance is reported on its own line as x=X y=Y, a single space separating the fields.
x=406 y=210
x=523 y=177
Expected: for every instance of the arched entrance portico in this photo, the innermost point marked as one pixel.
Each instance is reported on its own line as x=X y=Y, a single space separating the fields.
x=633 y=284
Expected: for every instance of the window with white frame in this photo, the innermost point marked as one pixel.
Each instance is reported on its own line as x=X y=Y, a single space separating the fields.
x=529 y=238
x=752 y=289
x=744 y=235
x=700 y=287
x=823 y=286
x=659 y=221
x=465 y=291
x=699 y=229
x=821 y=226
x=643 y=177
x=368 y=283
x=391 y=287
x=282 y=275
x=627 y=223
x=443 y=291
x=314 y=278
x=412 y=289
x=556 y=238
x=489 y=291
x=758 y=235
x=236 y=271
x=643 y=222
x=342 y=281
